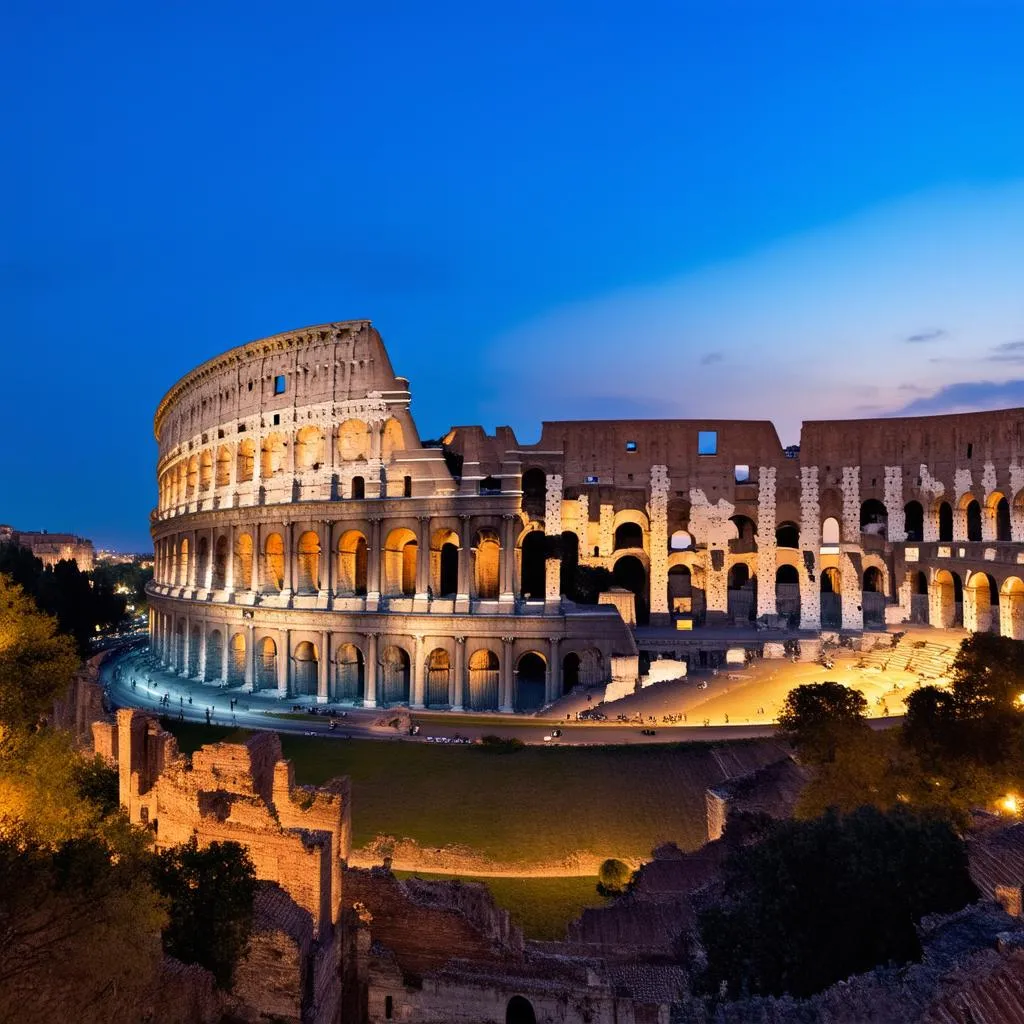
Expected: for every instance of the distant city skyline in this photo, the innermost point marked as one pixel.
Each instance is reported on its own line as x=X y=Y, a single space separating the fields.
x=784 y=212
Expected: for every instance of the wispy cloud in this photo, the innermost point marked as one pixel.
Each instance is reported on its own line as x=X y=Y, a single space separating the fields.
x=711 y=357
x=968 y=396
x=1007 y=352
x=933 y=335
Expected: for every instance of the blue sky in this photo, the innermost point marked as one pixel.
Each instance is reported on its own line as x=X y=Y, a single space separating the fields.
x=551 y=210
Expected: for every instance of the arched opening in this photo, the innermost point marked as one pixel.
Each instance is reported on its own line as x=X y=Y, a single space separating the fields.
x=349 y=676
x=535 y=486
x=183 y=565
x=400 y=555
x=272 y=456
x=920 y=583
x=192 y=477
x=243 y=562
x=787 y=594
x=391 y=440
x=266 y=664
x=205 y=471
x=309 y=448
x=358 y=488
x=874 y=582
x=214 y=656
x=352 y=562
x=531 y=670
x=483 y=681
x=629 y=535
x=273 y=563
x=980 y=603
x=520 y=1011
x=945 y=521
x=394 y=665
x=630 y=574
x=353 y=441
x=490 y=485
x=570 y=546
x=570 y=672
x=945 y=598
x=202 y=562
x=874 y=518
x=531 y=569
x=997 y=517
x=680 y=590
x=308 y=563
x=830 y=535
x=486 y=562
x=406 y=486
x=1011 y=608
x=194 y=640
x=744 y=540
x=220 y=563
x=872 y=598
x=304 y=676
x=680 y=541
x=787 y=535
x=438 y=678
x=973 y=513
x=444 y=563
x=742 y=593
x=246 y=462
x=236 y=660
x=831 y=598
x=179 y=646
x=222 y=476
x=913 y=521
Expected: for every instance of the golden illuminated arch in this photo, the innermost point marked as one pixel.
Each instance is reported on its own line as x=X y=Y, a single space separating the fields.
x=246 y=461
x=243 y=562
x=273 y=562
x=353 y=442
x=400 y=552
x=309 y=448
x=392 y=440
x=205 y=470
x=272 y=455
x=308 y=563
x=352 y=563
x=222 y=477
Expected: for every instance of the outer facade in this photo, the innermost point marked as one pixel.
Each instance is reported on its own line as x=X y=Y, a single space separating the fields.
x=307 y=541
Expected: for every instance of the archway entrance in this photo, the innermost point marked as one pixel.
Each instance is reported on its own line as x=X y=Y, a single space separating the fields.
x=349 y=677
x=520 y=1011
x=787 y=594
x=438 y=676
x=741 y=593
x=873 y=596
x=629 y=535
x=831 y=598
x=913 y=520
x=630 y=574
x=1011 y=608
x=306 y=665
x=973 y=512
x=394 y=676
x=980 y=604
x=266 y=665
x=531 y=571
x=530 y=675
x=449 y=574
x=214 y=656
x=483 y=681
x=236 y=660
x=945 y=521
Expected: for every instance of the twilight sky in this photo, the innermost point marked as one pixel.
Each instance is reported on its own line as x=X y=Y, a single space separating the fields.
x=789 y=210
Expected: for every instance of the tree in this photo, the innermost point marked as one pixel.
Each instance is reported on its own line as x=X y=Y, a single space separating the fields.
x=988 y=675
x=817 y=901
x=36 y=664
x=818 y=717
x=613 y=877
x=210 y=893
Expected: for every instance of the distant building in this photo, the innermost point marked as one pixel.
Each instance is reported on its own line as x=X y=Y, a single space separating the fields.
x=51 y=548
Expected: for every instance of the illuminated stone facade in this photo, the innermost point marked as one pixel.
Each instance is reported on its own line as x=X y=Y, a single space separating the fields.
x=307 y=541
x=51 y=548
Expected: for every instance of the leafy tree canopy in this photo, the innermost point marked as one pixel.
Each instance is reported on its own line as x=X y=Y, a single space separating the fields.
x=613 y=877
x=818 y=717
x=988 y=675
x=817 y=901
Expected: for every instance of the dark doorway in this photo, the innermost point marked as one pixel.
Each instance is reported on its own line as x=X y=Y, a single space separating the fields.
x=520 y=1011
x=973 y=521
x=945 y=521
x=530 y=676
x=629 y=535
x=570 y=563
x=531 y=575
x=913 y=520
x=1003 y=520
x=629 y=573
x=449 y=570
x=570 y=672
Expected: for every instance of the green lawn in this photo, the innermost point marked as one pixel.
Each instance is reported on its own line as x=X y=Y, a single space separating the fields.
x=538 y=804
x=542 y=907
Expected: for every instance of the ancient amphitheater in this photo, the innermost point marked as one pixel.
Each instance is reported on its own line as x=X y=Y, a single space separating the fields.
x=309 y=541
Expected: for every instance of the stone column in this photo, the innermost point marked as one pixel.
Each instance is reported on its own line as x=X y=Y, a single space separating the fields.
x=583 y=525
x=289 y=560
x=507 y=588
x=417 y=675
x=322 y=666
x=225 y=650
x=326 y=581
x=850 y=588
x=210 y=553
x=284 y=657
x=250 y=658
x=658 y=588
x=257 y=469
x=554 y=675
x=766 y=547
x=465 y=561
x=370 y=671
x=896 y=530
x=423 y=557
x=810 y=549
x=186 y=651
x=506 y=696
x=204 y=638
x=849 y=528
x=374 y=565
x=229 y=568
x=457 y=687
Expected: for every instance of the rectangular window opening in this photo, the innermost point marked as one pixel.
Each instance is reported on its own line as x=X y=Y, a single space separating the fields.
x=277 y=419
x=970 y=450
x=707 y=442
x=279 y=384
x=590 y=480
x=742 y=474
x=631 y=446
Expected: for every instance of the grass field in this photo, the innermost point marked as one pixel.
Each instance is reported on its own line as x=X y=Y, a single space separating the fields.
x=539 y=804
x=542 y=907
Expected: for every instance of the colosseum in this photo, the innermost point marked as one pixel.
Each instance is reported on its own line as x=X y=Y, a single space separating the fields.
x=309 y=542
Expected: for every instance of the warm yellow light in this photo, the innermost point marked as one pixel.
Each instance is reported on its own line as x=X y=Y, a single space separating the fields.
x=1020 y=700
x=1009 y=804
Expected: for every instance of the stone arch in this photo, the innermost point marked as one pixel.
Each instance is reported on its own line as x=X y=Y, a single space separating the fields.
x=741 y=592
x=400 y=555
x=438 y=671
x=920 y=583
x=222 y=473
x=831 y=598
x=352 y=563
x=970 y=508
x=484 y=671
x=874 y=517
x=202 y=561
x=214 y=656
x=444 y=562
x=236 y=660
x=305 y=669
x=358 y=488
x=308 y=563
x=980 y=603
x=194 y=640
x=630 y=573
x=273 y=563
x=570 y=672
x=349 y=675
x=680 y=590
x=532 y=555
x=680 y=541
x=787 y=594
x=787 y=535
x=944 y=599
x=913 y=521
x=486 y=564
x=243 y=562
x=628 y=535
x=531 y=676
x=309 y=448
x=945 y=514
x=392 y=440
x=183 y=566
x=1011 y=608
x=179 y=645
x=220 y=562
x=745 y=538
x=245 y=461
x=205 y=471
x=191 y=477
x=394 y=683
x=632 y=515
x=353 y=441
x=520 y=1011
x=830 y=534
x=272 y=454
x=997 y=517
x=874 y=580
